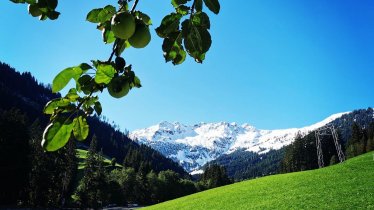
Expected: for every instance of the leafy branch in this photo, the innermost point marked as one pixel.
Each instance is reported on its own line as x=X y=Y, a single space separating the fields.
x=124 y=28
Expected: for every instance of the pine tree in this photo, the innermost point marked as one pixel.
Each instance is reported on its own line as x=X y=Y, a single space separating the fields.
x=51 y=175
x=370 y=136
x=370 y=145
x=354 y=146
x=92 y=190
x=153 y=185
x=115 y=192
x=215 y=176
x=14 y=162
x=128 y=183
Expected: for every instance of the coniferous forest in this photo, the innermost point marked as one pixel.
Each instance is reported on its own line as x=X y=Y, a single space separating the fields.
x=32 y=177
x=301 y=154
x=355 y=133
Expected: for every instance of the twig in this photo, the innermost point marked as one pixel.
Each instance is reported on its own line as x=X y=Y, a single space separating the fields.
x=116 y=42
x=134 y=5
x=192 y=8
x=113 y=51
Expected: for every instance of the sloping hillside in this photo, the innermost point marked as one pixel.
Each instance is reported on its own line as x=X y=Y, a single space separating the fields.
x=23 y=92
x=343 y=186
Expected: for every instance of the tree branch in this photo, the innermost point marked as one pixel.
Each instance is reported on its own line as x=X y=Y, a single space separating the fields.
x=134 y=5
x=192 y=8
x=113 y=51
x=115 y=43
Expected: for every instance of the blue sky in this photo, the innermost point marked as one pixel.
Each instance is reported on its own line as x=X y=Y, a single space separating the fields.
x=273 y=64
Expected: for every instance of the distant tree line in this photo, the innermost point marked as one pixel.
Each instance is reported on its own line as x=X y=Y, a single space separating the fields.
x=354 y=133
x=302 y=153
x=100 y=186
x=241 y=164
x=361 y=141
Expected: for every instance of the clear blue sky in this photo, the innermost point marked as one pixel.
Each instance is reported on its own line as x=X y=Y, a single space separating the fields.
x=273 y=64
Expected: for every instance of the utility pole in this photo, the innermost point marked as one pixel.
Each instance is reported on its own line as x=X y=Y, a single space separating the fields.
x=327 y=130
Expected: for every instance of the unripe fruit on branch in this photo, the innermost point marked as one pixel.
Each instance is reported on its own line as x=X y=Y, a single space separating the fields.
x=118 y=87
x=120 y=63
x=141 y=37
x=34 y=10
x=123 y=25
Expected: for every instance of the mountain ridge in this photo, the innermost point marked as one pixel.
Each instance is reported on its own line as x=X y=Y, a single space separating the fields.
x=195 y=145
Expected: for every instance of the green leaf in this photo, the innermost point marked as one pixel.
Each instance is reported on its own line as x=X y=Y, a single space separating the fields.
x=64 y=77
x=213 y=5
x=108 y=36
x=85 y=67
x=84 y=84
x=176 y=3
x=206 y=39
x=53 y=15
x=18 y=1
x=43 y=17
x=100 y=15
x=57 y=134
x=52 y=105
x=121 y=46
x=180 y=57
x=107 y=13
x=144 y=17
x=92 y=16
x=98 y=108
x=52 y=4
x=136 y=83
x=173 y=49
x=169 y=24
x=104 y=25
x=104 y=73
x=91 y=101
x=201 y=19
x=43 y=4
x=183 y=10
x=198 y=5
x=88 y=110
x=124 y=6
x=197 y=40
x=81 y=128
x=72 y=95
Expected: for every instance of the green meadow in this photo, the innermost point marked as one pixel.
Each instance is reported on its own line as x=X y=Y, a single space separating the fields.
x=349 y=185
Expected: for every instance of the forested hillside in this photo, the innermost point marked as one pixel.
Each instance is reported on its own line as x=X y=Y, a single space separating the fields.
x=242 y=164
x=355 y=127
x=29 y=176
x=301 y=154
x=22 y=91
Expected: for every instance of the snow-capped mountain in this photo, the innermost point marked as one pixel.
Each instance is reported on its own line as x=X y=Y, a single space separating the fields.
x=193 y=146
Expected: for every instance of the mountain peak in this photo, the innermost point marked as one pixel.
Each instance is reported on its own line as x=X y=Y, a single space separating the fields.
x=194 y=145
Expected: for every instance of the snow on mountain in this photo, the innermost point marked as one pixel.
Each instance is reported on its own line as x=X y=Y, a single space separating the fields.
x=193 y=146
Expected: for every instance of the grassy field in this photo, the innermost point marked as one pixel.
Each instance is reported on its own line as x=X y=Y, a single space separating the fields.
x=349 y=185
